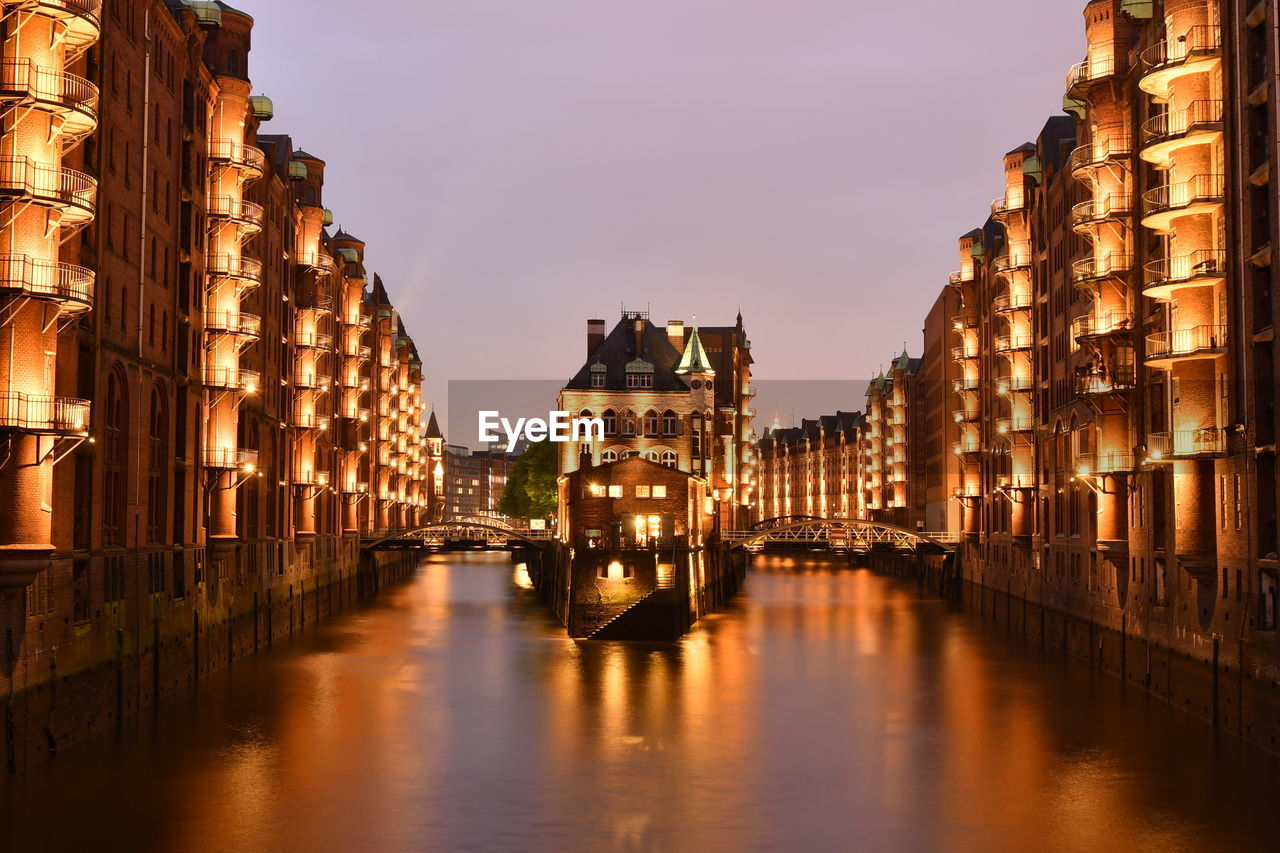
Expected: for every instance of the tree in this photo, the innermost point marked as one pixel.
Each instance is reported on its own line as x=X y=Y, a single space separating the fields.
x=531 y=490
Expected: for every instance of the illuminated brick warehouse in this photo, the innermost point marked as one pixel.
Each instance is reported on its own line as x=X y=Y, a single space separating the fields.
x=204 y=404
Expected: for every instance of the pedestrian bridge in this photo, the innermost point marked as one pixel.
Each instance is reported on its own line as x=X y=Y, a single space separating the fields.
x=481 y=533
x=848 y=534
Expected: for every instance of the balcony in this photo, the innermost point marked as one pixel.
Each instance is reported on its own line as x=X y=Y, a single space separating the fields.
x=1196 y=342
x=360 y=352
x=1203 y=268
x=1100 y=153
x=67 y=285
x=1009 y=426
x=1014 y=385
x=1096 y=211
x=310 y=381
x=1088 y=272
x=960 y=322
x=73 y=193
x=968 y=445
x=232 y=378
x=960 y=277
x=318 y=261
x=1010 y=302
x=247 y=159
x=1199 y=50
x=81 y=18
x=245 y=215
x=311 y=339
x=1009 y=482
x=1009 y=344
x=230 y=458
x=1097 y=68
x=1106 y=462
x=245 y=272
x=310 y=420
x=1186 y=444
x=37 y=413
x=1098 y=379
x=236 y=323
x=355 y=488
x=1201 y=195
x=355 y=413
x=963 y=352
x=1013 y=201
x=69 y=97
x=310 y=477
x=1164 y=135
x=966 y=383
x=967 y=492
x=1016 y=256
x=1092 y=326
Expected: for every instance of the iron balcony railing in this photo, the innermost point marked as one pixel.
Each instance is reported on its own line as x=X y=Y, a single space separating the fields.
x=1015 y=481
x=966 y=492
x=88 y=9
x=246 y=214
x=1096 y=269
x=1014 y=200
x=966 y=351
x=1106 y=462
x=26 y=80
x=316 y=261
x=1013 y=302
x=230 y=458
x=1004 y=426
x=1097 y=325
x=310 y=420
x=1098 y=379
x=43 y=413
x=238 y=155
x=1171 y=197
x=1015 y=256
x=1191 y=442
x=23 y=275
x=961 y=416
x=232 y=378
x=966 y=383
x=245 y=270
x=1014 y=384
x=1012 y=343
x=1203 y=263
x=1203 y=115
x=1100 y=65
x=233 y=323
x=304 y=476
x=965 y=321
x=1106 y=149
x=1197 y=42
x=967 y=445
x=961 y=276
x=363 y=352
x=310 y=339
x=76 y=191
x=1109 y=207
x=1186 y=342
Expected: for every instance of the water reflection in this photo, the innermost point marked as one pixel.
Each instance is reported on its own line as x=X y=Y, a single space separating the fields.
x=829 y=708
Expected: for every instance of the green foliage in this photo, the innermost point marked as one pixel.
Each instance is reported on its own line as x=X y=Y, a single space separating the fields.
x=531 y=488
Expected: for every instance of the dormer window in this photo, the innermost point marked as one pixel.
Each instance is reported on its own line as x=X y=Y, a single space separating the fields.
x=597 y=380
x=639 y=380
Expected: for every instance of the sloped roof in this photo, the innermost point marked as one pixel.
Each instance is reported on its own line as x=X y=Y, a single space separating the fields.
x=617 y=351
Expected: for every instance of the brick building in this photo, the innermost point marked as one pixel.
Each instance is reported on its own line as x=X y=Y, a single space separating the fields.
x=204 y=404
x=818 y=468
x=475 y=480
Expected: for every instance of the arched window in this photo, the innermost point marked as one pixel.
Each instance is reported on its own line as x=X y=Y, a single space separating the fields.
x=669 y=458
x=670 y=423
x=651 y=455
x=651 y=423
x=610 y=422
x=609 y=456
x=157 y=464
x=113 y=459
x=628 y=423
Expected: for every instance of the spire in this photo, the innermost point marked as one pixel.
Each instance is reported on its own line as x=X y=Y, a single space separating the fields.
x=695 y=358
x=433 y=427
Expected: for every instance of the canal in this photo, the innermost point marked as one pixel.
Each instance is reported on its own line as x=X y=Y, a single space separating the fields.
x=828 y=709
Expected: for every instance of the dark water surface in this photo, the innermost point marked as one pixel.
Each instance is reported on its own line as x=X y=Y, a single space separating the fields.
x=828 y=709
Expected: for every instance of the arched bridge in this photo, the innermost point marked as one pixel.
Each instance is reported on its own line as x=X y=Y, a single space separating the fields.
x=490 y=533
x=854 y=534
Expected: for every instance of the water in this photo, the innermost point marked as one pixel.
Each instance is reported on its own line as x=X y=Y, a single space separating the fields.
x=828 y=709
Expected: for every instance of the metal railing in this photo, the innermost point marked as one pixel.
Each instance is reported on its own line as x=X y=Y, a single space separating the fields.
x=966 y=445
x=310 y=339
x=41 y=279
x=43 y=413
x=1185 y=342
x=1101 y=151
x=966 y=351
x=25 y=79
x=1095 y=269
x=1004 y=426
x=1012 y=343
x=237 y=154
x=1170 y=197
x=1013 y=302
x=1189 y=442
x=1016 y=481
x=966 y=383
x=303 y=476
x=48 y=184
x=1203 y=40
x=234 y=266
x=1098 y=379
x=1096 y=325
x=310 y=420
x=233 y=323
x=1013 y=200
x=230 y=458
x=232 y=378
x=1015 y=256
x=1095 y=210
x=1098 y=67
x=316 y=261
x=245 y=213
x=1014 y=384
x=1203 y=263
x=1199 y=115
x=1106 y=462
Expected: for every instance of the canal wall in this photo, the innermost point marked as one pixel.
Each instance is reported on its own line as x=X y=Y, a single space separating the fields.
x=1221 y=680
x=148 y=647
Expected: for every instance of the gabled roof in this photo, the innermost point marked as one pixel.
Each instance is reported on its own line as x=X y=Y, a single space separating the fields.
x=618 y=351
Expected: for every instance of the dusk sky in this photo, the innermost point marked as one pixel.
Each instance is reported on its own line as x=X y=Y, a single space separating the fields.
x=517 y=166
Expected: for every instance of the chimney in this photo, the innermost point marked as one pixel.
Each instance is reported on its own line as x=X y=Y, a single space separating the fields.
x=595 y=336
x=675 y=334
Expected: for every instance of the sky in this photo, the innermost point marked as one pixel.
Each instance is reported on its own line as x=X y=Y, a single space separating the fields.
x=518 y=166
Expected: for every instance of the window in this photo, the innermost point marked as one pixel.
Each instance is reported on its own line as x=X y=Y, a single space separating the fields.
x=642 y=491
x=157 y=466
x=113 y=497
x=609 y=456
x=669 y=423
x=615 y=491
x=628 y=423
x=1267 y=591
x=658 y=491
x=639 y=380
x=610 y=422
x=597 y=380
x=651 y=423
x=669 y=458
